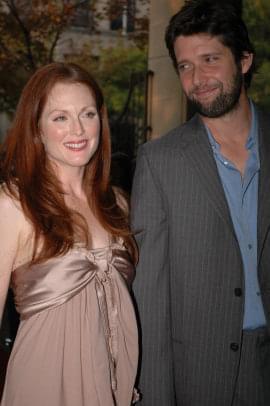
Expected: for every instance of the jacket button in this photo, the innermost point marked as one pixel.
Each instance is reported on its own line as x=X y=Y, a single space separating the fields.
x=234 y=347
x=238 y=292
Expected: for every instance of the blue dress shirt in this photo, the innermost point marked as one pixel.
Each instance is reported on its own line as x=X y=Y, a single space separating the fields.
x=242 y=197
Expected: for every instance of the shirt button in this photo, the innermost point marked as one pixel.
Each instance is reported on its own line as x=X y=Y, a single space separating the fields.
x=249 y=246
x=234 y=347
x=238 y=292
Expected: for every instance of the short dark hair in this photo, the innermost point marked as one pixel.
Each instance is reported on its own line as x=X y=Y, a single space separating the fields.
x=216 y=19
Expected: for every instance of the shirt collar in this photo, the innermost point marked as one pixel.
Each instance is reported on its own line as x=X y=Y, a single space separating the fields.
x=253 y=132
x=252 y=135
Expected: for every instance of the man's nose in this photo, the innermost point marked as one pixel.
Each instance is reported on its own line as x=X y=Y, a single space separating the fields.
x=199 y=76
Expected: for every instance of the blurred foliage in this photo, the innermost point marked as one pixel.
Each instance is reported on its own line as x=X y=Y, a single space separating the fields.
x=115 y=69
x=30 y=32
x=256 y=14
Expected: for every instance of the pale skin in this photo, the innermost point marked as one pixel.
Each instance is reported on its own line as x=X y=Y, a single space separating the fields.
x=69 y=129
x=14 y=241
x=205 y=67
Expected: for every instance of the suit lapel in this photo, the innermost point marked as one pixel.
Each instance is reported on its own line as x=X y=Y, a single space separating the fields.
x=264 y=182
x=197 y=149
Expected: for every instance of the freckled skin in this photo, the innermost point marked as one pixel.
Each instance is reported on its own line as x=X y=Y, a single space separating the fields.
x=70 y=126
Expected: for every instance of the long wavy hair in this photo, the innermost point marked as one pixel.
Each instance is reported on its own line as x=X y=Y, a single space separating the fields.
x=30 y=178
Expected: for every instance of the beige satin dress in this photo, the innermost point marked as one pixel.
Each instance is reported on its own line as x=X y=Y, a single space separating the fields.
x=77 y=342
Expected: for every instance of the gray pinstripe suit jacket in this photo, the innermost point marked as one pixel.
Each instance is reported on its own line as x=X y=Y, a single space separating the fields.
x=190 y=265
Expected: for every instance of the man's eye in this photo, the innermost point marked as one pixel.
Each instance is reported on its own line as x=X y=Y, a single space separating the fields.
x=211 y=59
x=183 y=67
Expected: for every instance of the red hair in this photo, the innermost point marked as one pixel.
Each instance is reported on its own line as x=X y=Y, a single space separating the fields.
x=27 y=175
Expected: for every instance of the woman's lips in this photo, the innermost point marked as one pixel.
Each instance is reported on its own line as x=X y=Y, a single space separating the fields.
x=76 y=146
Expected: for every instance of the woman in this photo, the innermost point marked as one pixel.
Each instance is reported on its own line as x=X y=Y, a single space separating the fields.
x=66 y=247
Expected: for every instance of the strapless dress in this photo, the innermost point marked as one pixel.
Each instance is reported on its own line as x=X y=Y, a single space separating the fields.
x=77 y=342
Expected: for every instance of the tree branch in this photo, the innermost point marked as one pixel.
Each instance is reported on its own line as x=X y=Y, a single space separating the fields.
x=26 y=33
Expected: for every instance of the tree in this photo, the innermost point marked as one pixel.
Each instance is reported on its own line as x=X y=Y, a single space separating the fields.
x=30 y=32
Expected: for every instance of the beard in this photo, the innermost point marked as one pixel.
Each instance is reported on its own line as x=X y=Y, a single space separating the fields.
x=224 y=103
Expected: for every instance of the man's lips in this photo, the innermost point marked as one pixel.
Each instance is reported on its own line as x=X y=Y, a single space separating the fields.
x=204 y=93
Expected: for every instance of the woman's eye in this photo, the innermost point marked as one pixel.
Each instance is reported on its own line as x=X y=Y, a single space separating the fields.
x=59 y=118
x=90 y=114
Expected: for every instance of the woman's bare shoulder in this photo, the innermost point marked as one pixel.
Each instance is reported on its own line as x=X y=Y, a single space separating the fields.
x=16 y=231
x=12 y=222
x=9 y=204
x=11 y=213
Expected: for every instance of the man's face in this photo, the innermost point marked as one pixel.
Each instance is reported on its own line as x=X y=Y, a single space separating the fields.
x=209 y=75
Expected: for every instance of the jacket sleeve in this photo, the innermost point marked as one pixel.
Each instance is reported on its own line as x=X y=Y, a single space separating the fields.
x=152 y=285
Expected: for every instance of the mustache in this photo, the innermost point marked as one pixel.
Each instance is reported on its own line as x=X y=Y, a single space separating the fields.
x=204 y=88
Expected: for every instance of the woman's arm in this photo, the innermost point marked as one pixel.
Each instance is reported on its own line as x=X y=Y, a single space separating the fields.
x=11 y=219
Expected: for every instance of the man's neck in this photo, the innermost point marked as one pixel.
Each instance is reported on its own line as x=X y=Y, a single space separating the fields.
x=234 y=126
x=231 y=133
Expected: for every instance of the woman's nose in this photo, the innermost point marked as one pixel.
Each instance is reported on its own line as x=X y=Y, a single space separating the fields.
x=77 y=127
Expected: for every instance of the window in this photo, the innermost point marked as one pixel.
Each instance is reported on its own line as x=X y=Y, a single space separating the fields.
x=122 y=16
x=82 y=17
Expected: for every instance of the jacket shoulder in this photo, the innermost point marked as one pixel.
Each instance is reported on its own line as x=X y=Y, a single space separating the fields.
x=175 y=138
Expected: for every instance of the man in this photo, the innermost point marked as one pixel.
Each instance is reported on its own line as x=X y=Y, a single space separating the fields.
x=201 y=216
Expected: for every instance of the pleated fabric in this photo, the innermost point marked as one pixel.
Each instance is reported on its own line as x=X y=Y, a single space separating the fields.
x=77 y=342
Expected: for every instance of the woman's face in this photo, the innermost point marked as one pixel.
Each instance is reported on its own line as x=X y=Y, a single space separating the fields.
x=70 y=125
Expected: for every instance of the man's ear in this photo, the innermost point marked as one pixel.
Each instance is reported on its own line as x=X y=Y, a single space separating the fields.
x=246 y=61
